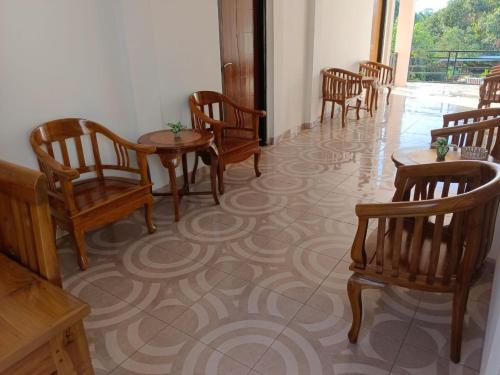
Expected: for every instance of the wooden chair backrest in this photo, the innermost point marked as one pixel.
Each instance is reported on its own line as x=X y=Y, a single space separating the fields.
x=26 y=232
x=463 y=193
x=341 y=83
x=480 y=134
x=489 y=91
x=211 y=103
x=237 y=120
x=386 y=72
x=368 y=71
x=495 y=70
x=54 y=136
x=469 y=117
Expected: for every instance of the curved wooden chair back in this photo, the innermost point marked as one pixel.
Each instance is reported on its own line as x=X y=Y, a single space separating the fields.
x=469 y=117
x=26 y=233
x=479 y=134
x=340 y=83
x=386 y=72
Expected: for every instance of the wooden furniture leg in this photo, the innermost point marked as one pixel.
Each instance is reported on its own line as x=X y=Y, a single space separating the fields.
x=355 y=286
x=214 y=167
x=457 y=323
x=148 y=213
x=195 y=168
x=79 y=241
x=171 y=162
x=322 y=111
x=256 y=158
x=185 y=173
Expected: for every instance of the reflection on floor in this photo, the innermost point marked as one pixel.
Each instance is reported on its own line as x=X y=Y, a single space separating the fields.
x=257 y=284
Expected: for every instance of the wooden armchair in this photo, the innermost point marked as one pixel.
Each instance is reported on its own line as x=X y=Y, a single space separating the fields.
x=434 y=242
x=235 y=128
x=469 y=117
x=386 y=77
x=344 y=88
x=489 y=91
x=480 y=134
x=42 y=330
x=79 y=205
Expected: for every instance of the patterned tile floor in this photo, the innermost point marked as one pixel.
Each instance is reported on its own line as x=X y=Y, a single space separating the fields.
x=257 y=284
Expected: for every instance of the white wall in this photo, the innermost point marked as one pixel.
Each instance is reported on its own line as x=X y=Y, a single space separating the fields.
x=132 y=64
x=125 y=63
x=291 y=36
x=342 y=34
x=60 y=58
x=173 y=51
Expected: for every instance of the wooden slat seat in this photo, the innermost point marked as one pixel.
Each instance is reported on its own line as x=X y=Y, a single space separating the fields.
x=93 y=192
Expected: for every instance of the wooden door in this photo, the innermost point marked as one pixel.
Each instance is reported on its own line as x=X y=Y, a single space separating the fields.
x=378 y=26
x=242 y=36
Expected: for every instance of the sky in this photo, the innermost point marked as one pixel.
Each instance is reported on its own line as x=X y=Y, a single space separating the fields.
x=433 y=4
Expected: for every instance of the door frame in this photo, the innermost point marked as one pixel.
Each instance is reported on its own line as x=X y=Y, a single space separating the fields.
x=260 y=49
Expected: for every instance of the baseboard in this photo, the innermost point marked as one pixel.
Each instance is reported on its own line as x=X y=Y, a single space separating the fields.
x=291 y=133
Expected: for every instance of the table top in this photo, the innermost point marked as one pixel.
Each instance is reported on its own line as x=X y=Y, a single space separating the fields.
x=189 y=140
x=32 y=311
x=414 y=156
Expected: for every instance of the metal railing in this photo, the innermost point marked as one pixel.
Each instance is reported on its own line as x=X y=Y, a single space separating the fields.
x=451 y=66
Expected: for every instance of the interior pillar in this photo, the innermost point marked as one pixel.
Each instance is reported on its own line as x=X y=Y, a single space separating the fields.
x=404 y=37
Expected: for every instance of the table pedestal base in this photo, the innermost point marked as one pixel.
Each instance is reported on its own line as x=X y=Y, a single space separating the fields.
x=171 y=162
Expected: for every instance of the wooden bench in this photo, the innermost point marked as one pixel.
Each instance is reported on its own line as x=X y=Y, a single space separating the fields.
x=40 y=324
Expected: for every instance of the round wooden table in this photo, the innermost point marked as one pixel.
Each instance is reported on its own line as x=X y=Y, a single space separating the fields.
x=172 y=150
x=413 y=156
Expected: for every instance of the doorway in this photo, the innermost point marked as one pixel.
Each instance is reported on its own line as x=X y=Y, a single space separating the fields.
x=242 y=25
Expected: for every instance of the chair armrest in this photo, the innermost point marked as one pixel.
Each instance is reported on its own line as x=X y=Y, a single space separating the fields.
x=56 y=168
x=199 y=119
x=145 y=149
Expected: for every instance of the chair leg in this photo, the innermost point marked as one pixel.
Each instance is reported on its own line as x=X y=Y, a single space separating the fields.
x=376 y=99
x=256 y=158
x=220 y=176
x=79 y=240
x=323 y=110
x=195 y=168
x=355 y=286
x=388 y=94
x=332 y=113
x=344 y=114
x=457 y=324
x=54 y=228
x=358 y=107
x=148 y=208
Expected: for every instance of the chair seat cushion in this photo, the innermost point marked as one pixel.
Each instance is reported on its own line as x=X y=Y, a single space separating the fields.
x=236 y=143
x=93 y=191
x=406 y=252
